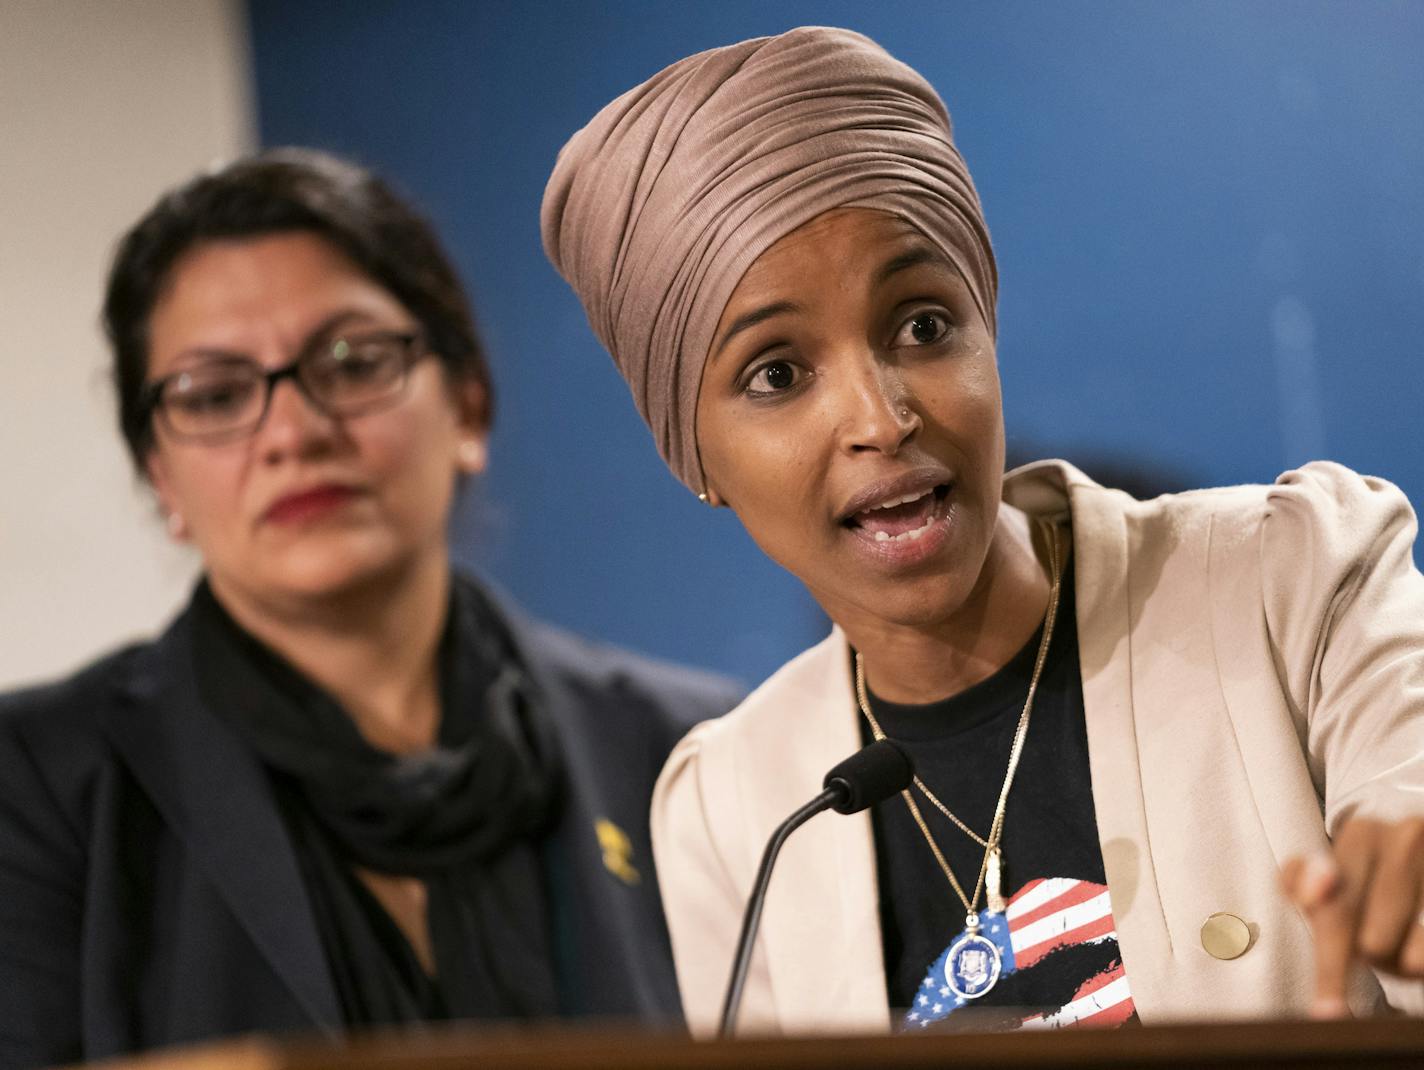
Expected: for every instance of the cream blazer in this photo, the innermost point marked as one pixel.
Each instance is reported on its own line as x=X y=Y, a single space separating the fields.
x=1253 y=672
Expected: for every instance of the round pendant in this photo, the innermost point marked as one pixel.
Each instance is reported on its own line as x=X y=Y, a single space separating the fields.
x=972 y=965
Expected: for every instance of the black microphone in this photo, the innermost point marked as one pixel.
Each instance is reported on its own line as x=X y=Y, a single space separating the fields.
x=865 y=778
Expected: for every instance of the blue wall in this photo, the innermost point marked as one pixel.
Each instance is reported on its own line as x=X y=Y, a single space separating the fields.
x=1209 y=219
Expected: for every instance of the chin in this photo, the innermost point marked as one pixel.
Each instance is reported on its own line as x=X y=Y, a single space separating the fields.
x=913 y=603
x=320 y=573
x=916 y=612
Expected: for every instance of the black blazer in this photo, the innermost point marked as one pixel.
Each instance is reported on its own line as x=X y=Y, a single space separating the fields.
x=150 y=895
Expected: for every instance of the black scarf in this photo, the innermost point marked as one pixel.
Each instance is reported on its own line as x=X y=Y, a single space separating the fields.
x=466 y=817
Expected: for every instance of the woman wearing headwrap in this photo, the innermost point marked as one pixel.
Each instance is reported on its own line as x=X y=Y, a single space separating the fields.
x=1169 y=753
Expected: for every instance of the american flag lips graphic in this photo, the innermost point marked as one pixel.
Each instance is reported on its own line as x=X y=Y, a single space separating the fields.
x=1044 y=916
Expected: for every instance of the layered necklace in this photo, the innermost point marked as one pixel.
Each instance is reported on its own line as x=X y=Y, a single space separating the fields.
x=973 y=961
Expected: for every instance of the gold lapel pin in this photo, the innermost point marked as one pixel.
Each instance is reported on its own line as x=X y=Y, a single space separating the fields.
x=617 y=851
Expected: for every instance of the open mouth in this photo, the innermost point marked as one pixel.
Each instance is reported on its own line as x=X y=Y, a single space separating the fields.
x=903 y=519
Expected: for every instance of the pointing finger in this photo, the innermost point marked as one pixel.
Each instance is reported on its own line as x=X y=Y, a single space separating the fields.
x=1319 y=892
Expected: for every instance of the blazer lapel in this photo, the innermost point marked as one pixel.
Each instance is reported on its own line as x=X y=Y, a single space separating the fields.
x=214 y=794
x=613 y=953
x=1102 y=579
x=821 y=924
x=608 y=933
x=1103 y=571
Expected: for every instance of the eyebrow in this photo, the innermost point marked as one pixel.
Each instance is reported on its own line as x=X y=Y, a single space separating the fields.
x=751 y=319
x=921 y=254
x=318 y=334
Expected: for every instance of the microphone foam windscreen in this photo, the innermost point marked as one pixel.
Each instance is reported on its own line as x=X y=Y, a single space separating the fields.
x=869 y=776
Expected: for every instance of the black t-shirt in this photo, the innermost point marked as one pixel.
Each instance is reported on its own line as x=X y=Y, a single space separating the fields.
x=1060 y=963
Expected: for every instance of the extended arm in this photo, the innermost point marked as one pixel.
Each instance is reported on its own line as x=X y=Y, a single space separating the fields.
x=1347 y=614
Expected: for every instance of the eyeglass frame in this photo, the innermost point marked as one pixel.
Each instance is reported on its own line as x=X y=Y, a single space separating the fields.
x=413 y=351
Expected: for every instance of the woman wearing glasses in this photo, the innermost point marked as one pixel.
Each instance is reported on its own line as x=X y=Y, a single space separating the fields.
x=1131 y=721
x=348 y=786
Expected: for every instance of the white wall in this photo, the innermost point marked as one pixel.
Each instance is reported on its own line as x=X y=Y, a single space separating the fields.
x=103 y=104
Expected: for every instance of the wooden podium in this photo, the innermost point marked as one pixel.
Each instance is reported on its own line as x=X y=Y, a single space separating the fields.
x=1380 y=1042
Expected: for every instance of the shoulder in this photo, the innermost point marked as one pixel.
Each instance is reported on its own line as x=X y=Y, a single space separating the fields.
x=1339 y=582
x=1289 y=552
x=598 y=667
x=62 y=727
x=1335 y=513
x=1312 y=530
x=1323 y=496
x=779 y=705
x=53 y=750
x=68 y=710
x=1322 y=507
x=605 y=674
x=729 y=780
x=1311 y=556
x=750 y=741
x=601 y=686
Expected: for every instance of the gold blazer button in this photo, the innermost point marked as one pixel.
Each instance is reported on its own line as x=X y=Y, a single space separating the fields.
x=1225 y=936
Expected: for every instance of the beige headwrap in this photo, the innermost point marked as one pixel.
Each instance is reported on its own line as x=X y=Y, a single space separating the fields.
x=657 y=207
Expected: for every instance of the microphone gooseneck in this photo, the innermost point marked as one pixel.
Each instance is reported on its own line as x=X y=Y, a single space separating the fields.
x=868 y=776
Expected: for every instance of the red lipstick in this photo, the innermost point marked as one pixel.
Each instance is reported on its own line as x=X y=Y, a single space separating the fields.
x=310 y=504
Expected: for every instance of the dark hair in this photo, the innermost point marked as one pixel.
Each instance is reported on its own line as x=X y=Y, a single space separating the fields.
x=279 y=190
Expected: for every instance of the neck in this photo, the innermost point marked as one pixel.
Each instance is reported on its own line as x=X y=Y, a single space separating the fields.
x=373 y=648
x=920 y=663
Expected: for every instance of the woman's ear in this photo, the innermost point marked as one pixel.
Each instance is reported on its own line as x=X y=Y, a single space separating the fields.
x=471 y=404
x=472 y=412
x=158 y=479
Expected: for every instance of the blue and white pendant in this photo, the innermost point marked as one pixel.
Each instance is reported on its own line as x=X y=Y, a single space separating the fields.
x=972 y=964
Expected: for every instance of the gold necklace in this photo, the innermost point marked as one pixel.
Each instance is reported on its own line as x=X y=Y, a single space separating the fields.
x=991 y=868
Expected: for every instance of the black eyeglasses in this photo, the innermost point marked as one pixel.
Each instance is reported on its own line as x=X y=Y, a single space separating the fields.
x=228 y=398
